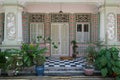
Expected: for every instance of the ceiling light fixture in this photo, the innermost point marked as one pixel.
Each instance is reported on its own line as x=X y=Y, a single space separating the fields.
x=60 y=9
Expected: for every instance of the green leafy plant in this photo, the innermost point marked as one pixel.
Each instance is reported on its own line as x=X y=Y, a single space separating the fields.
x=34 y=54
x=74 y=48
x=39 y=60
x=91 y=53
x=28 y=52
x=108 y=62
x=12 y=59
x=2 y=60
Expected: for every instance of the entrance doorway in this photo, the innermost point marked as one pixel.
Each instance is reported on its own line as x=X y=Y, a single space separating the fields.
x=60 y=35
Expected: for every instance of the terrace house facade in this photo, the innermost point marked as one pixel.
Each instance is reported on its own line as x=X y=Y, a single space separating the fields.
x=62 y=20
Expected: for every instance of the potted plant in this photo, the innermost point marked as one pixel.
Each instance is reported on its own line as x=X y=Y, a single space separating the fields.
x=28 y=52
x=33 y=54
x=74 y=48
x=89 y=67
x=108 y=62
x=39 y=57
x=39 y=60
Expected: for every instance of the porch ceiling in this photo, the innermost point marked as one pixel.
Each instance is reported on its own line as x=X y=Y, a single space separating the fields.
x=68 y=6
x=53 y=7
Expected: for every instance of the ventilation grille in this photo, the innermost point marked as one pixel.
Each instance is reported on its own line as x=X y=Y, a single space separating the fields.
x=57 y=17
x=38 y=17
x=82 y=17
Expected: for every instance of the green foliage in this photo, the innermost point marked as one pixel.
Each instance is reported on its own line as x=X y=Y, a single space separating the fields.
x=13 y=59
x=104 y=72
x=91 y=53
x=39 y=60
x=117 y=78
x=2 y=60
x=29 y=55
x=74 y=47
x=29 y=52
x=34 y=54
x=108 y=61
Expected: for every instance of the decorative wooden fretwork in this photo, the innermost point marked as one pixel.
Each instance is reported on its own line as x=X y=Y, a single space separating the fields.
x=57 y=17
x=37 y=17
x=82 y=17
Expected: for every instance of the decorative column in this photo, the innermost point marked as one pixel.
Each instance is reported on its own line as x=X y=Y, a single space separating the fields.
x=108 y=22
x=1 y=21
x=13 y=23
x=111 y=25
x=102 y=24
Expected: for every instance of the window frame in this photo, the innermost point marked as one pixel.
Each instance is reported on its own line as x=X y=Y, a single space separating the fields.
x=37 y=33
x=83 y=32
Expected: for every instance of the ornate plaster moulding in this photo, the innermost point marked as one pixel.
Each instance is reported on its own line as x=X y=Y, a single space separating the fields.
x=1 y=2
x=22 y=2
x=66 y=1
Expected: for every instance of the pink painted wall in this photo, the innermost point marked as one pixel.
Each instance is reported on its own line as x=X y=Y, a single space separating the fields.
x=68 y=8
x=118 y=26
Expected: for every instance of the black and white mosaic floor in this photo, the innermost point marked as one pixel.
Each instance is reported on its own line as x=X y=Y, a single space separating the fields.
x=64 y=67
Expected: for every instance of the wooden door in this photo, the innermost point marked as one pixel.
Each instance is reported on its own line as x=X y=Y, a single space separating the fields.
x=60 y=35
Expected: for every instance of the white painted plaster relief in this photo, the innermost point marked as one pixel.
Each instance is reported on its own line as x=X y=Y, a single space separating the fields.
x=111 y=26
x=11 y=33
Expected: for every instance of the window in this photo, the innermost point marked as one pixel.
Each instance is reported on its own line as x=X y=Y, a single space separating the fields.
x=82 y=32
x=36 y=29
x=79 y=28
x=85 y=27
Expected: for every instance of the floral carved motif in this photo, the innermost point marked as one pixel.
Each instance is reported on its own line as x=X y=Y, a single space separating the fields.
x=11 y=32
x=111 y=26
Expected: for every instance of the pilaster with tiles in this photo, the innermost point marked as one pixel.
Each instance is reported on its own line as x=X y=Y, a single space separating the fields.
x=1 y=26
x=47 y=29
x=118 y=27
x=94 y=27
x=72 y=27
x=47 y=25
x=25 y=27
x=72 y=30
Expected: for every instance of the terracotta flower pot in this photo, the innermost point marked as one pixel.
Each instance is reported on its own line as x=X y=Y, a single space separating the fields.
x=11 y=72
x=88 y=71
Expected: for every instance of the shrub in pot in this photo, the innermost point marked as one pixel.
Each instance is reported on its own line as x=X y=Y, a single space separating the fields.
x=74 y=48
x=34 y=54
x=39 y=62
x=89 y=69
x=28 y=52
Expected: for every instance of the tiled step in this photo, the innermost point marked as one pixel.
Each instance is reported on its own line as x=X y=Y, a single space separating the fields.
x=67 y=72
x=63 y=71
x=65 y=67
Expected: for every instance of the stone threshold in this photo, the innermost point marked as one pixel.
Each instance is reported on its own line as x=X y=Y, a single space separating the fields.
x=55 y=78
